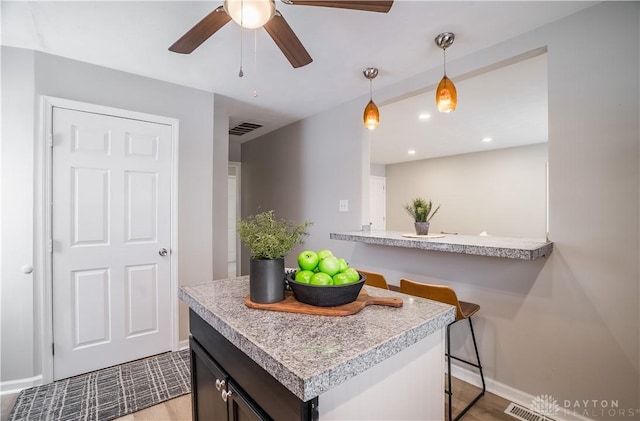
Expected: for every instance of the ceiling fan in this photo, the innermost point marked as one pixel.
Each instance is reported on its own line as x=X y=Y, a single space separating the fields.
x=263 y=13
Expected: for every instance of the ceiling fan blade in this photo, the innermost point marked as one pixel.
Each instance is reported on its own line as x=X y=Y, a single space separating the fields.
x=382 y=6
x=287 y=41
x=201 y=31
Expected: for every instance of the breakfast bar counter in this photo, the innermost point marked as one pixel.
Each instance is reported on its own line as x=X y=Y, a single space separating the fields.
x=381 y=362
x=505 y=247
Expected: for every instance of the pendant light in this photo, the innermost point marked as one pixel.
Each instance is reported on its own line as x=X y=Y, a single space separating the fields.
x=371 y=113
x=446 y=95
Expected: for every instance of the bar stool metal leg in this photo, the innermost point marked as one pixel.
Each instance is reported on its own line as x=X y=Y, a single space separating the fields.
x=449 y=390
x=479 y=366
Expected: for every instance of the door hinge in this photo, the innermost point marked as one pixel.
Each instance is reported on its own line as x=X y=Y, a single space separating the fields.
x=50 y=140
x=50 y=245
x=53 y=349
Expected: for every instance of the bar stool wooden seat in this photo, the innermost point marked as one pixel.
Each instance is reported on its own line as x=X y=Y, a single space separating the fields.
x=374 y=279
x=464 y=310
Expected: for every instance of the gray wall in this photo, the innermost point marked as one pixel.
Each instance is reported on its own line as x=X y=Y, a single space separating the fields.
x=302 y=172
x=235 y=150
x=502 y=192
x=566 y=325
x=377 y=170
x=30 y=74
x=18 y=357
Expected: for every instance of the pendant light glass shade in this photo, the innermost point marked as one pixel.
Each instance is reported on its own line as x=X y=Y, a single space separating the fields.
x=446 y=96
x=371 y=116
x=250 y=14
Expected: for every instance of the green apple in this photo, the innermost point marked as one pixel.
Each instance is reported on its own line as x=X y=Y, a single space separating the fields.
x=355 y=276
x=321 y=278
x=343 y=265
x=324 y=253
x=304 y=276
x=342 y=279
x=308 y=260
x=329 y=265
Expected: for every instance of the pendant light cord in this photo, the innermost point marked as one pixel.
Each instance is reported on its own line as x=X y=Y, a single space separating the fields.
x=444 y=55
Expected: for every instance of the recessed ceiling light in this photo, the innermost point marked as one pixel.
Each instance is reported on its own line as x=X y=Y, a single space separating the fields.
x=424 y=116
x=411 y=152
x=486 y=139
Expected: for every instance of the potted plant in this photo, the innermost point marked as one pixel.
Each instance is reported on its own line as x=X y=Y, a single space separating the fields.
x=421 y=211
x=269 y=240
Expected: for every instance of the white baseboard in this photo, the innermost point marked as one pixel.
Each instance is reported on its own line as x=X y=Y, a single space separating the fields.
x=12 y=387
x=507 y=392
x=183 y=344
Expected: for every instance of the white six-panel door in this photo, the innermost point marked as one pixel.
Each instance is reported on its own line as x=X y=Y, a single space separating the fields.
x=111 y=221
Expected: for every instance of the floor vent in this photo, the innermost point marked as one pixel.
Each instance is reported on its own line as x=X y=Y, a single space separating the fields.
x=523 y=414
x=244 y=128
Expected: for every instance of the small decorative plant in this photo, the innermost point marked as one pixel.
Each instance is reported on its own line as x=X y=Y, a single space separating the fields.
x=421 y=210
x=271 y=238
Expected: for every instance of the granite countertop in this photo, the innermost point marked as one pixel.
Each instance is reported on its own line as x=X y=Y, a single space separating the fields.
x=311 y=354
x=507 y=247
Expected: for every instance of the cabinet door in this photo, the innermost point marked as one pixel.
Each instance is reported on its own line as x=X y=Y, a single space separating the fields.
x=208 y=381
x=241 y=407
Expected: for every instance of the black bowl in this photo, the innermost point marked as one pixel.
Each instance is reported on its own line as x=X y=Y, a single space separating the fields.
x=325 y=295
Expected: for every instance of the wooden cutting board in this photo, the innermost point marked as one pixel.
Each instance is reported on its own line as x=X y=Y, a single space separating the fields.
x=291 y=305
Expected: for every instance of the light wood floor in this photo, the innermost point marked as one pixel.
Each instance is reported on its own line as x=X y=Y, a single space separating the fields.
x=6 y=403
x=178 y=409
x=489 y=408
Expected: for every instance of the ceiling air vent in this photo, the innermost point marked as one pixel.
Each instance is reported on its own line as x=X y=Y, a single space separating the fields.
x=244 y=128
x=524 y=414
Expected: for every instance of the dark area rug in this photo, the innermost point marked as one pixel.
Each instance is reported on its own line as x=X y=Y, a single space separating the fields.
x=109 y=393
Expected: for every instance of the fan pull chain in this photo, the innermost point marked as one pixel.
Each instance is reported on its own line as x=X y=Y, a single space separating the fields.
x=255 y=60
x=241 y=73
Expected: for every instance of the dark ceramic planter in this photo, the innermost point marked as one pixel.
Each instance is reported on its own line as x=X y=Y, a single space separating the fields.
x=422 y=228
x=266 y=280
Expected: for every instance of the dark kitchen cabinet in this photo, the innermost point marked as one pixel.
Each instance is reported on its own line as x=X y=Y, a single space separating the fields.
x=227 y=385
x=208 y=381
x=215 y=397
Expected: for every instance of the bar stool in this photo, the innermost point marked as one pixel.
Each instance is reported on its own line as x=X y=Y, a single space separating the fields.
x=374 y=279
x=464 y=310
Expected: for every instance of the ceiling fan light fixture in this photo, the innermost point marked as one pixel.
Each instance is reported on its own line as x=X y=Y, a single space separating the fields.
x=446 y=94
x=371 y=113
x=250 y=14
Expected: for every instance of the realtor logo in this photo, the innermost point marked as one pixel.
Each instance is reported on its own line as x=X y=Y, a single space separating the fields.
x=545 y=405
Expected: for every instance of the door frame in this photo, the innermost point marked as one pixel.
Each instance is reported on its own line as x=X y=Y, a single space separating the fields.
x=238 y=167
x=383 y=179
x=43 y=275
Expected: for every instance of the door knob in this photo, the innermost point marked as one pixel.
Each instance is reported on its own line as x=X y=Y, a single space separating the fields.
x=163 y=252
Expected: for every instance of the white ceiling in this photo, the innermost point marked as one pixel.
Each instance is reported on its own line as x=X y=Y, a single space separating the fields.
x=507 y=105
x=135 y=36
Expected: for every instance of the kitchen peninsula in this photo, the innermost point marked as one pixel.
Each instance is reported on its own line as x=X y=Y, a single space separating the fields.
x=381 y=363
x=506 y=247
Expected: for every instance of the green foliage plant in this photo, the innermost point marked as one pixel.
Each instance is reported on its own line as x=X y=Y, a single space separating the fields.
x=421 y=210
x=270 y=238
